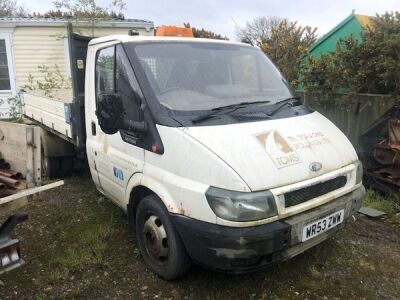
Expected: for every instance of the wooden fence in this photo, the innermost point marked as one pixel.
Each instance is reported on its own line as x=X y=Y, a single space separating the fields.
x=352 y=113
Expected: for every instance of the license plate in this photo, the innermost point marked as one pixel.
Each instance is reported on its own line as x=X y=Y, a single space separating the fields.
x=322 y=225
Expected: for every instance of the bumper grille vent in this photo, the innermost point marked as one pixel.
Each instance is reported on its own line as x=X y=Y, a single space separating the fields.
x=302 y=195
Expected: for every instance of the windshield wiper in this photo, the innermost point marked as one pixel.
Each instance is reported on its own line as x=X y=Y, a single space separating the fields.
x=216 y=110
x=281 y=104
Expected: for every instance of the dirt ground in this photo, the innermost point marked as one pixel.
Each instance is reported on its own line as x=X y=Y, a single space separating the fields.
x=76 y=244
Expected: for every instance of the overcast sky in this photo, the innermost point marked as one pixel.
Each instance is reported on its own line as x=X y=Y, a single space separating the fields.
x=217 y=15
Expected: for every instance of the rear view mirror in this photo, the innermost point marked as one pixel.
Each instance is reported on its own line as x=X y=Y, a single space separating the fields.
x=111 y=117
x=110 y=113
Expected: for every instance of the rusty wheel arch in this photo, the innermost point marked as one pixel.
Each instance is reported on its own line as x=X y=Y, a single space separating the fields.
x=137 y=194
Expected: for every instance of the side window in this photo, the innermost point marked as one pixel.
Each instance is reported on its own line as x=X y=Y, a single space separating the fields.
x=4 y=73
x=114 y=74
x=127 y=86
x=105 y=71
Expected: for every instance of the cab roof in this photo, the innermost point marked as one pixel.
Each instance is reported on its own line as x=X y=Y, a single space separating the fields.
x=142 y=38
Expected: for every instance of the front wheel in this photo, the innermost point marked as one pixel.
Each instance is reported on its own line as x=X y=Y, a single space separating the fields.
x=159 y=243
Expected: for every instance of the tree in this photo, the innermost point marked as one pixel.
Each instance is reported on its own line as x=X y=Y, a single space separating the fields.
x=258 y=29
x=286 y=45
x=285 y=42
x=88 y=10
x=203 y=33
x=369 y=66
x=11 y=8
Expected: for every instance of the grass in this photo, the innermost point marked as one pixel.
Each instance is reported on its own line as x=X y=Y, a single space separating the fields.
x=78 y=245
x=89 y=248
x=375 y=200
x=85 y=242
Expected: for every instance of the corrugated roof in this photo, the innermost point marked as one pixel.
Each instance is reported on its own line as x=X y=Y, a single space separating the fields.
x=51 y=19
x=11 y=22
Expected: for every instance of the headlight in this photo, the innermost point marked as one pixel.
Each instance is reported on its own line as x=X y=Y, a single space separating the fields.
x=359 y=171
x=239 y=206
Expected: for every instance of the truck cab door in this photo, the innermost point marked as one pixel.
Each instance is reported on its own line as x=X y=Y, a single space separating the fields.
x=114 y=158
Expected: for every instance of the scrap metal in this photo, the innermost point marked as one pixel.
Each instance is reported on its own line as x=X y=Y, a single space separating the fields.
x=9 y=179
x=379 y=150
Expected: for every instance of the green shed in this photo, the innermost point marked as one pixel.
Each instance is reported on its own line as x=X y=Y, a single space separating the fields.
x=352 y=25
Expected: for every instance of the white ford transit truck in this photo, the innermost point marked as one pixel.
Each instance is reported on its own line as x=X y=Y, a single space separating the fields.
x=204 y=146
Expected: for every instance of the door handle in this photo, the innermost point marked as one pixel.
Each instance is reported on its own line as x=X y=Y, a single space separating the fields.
x=93 y=128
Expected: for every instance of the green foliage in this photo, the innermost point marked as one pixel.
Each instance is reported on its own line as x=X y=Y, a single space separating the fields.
x=285 y=42
x=374 y=200
x=370 y=66
x=53 y=79
x=84 y=10
x=88 y=11
x=14 y=108
x=203 y=33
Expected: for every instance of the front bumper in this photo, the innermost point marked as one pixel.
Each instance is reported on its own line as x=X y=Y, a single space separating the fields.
x=243 y=249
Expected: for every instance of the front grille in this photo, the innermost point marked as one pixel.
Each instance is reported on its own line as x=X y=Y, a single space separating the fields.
x=302 y=195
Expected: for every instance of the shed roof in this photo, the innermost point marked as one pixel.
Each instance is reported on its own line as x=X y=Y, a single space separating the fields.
x=365 y=21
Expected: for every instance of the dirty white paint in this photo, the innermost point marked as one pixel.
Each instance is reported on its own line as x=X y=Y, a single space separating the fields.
x=243 y=157
x=265 y=162
x=274 y=154
x=47 y=111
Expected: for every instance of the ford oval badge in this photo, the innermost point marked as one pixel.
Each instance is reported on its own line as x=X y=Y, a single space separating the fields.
x=315 y=166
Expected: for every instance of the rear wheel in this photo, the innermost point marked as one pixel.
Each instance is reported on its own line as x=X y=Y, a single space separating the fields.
x=159 y=243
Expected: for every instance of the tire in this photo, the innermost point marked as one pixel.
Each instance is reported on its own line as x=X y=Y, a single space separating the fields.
x=159 y=243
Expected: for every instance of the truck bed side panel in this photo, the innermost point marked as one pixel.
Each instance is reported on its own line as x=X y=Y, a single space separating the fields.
x=51 y=113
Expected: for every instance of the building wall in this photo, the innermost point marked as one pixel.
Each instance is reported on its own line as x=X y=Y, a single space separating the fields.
x=35 y=46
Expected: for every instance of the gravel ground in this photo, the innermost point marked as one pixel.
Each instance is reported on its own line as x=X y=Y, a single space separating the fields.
x=76 y=245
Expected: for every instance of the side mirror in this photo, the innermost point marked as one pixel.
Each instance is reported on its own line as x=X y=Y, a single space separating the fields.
x=110 y=114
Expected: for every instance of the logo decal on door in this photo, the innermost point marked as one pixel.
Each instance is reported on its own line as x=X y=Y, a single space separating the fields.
x=118 y=173
x=278 y=149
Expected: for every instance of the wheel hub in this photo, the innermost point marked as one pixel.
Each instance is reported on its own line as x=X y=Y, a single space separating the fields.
x=155 y=238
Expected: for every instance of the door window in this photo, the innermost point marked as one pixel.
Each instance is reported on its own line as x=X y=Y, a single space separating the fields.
x=4 y=74
x=114 y=74
x=105 y=71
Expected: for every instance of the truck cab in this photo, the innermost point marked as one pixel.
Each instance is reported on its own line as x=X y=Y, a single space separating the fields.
x=215 y=161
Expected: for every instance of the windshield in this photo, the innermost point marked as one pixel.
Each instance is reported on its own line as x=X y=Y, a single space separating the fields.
x=191 y=76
